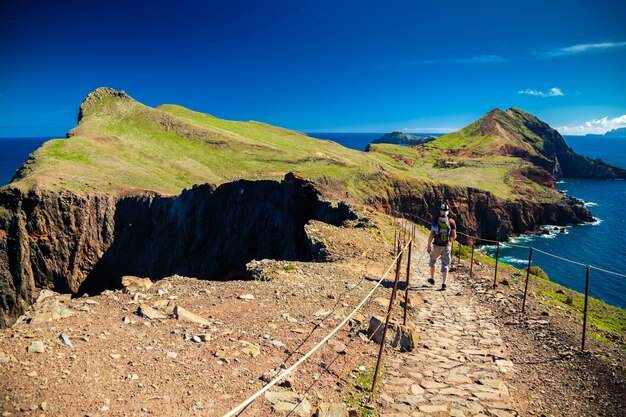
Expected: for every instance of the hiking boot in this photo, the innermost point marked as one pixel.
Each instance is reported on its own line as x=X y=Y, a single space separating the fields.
x=431 y=281
x=443 y=287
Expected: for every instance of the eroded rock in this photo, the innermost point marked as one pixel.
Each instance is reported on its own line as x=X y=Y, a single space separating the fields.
x=332 y=410
x=403 y=337
x=286 y=402
x=132 y=283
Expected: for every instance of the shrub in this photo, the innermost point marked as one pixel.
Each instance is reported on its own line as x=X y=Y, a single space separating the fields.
x=538 y=272
x=289 y=267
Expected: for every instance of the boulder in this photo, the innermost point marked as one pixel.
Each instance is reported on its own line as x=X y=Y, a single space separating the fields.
x=332 y=410
x=36 y=347
x=184 y=315
x=65 y=340
x=399 y=336
x=150 y=313
x=49 y=306
x=132 y=283
x=246 y=297
x=286 y=402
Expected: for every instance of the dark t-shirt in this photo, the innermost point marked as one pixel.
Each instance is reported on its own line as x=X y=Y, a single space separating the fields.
x=442 y=235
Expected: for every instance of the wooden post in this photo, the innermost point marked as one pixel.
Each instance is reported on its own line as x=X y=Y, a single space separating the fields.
x=391 y=300
x=495 y=274
x=408 y=280
x=585 y=308
x=530 y=259
x=472 y=259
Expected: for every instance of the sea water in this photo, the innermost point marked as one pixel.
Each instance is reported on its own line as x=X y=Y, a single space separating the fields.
x=13 y=153
x=601 y=244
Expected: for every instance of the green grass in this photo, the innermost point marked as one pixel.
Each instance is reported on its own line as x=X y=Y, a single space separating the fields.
x=360 y=391
x=289 y=267
x=604 y=320
x=123 y=146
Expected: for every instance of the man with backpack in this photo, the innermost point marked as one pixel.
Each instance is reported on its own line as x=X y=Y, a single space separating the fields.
x=442 y=234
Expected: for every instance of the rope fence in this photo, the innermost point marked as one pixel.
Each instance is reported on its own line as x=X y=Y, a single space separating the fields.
x=397 y=262
x=403 y=239
x=497 y=242
x=475 y=239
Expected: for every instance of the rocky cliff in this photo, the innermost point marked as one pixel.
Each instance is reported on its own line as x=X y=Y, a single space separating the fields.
x=478 y=212
x=86 y=242
x=400 y=138
x=516 y=133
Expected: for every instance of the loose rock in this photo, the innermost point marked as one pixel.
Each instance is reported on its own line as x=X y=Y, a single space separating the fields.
x=36 y=347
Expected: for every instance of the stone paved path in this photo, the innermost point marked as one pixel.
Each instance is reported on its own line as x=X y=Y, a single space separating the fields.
x=459 y=366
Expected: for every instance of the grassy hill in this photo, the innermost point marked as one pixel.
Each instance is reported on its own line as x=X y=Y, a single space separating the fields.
x=122 y=146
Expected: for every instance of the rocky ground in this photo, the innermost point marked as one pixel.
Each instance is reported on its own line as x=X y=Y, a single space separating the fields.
x=191 y=347
x=478 y=355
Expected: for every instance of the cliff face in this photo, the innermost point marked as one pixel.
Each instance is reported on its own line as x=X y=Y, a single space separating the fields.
x=48 y=240
x=86 y=243
x=480 y=213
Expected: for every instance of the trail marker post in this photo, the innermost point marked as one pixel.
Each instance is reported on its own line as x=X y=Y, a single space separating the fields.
x=408 y=279
x=530 y=259
x=472 y=258
x=495 y=274
x=582 y=348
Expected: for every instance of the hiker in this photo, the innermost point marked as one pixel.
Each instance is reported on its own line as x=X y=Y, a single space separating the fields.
x=442 y=234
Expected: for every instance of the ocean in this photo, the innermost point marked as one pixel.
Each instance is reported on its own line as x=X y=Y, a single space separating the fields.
x=13 y=152
x=601 y=244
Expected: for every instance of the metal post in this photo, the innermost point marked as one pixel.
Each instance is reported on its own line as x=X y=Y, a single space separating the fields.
x=495 y=274
x=458 y=246
x=530 y=259
x=382 y=342
x=472 y=259
x=585 y=309
x=408 y=279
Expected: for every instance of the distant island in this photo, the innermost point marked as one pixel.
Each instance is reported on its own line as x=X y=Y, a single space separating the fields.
x=400 y=138
x=615 y=133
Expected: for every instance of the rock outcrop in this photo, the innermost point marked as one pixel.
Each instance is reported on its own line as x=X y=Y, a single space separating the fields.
x=517 y=133
x=76 y=243
x=400 y=138
x=478 y=212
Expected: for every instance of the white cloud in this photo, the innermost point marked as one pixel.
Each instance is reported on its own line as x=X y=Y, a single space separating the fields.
x=583 y=48
x=553 y=92
x=597 y=126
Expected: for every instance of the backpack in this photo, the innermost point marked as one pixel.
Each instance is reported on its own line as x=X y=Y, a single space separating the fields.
x=442 y=231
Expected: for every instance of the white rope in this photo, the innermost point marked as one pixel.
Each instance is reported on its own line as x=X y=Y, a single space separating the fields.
x=607 y=271
x=537 y=250
x=560 y=258
x=287 y=371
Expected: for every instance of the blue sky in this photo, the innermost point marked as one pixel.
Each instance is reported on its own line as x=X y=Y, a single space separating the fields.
x=353 y=66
